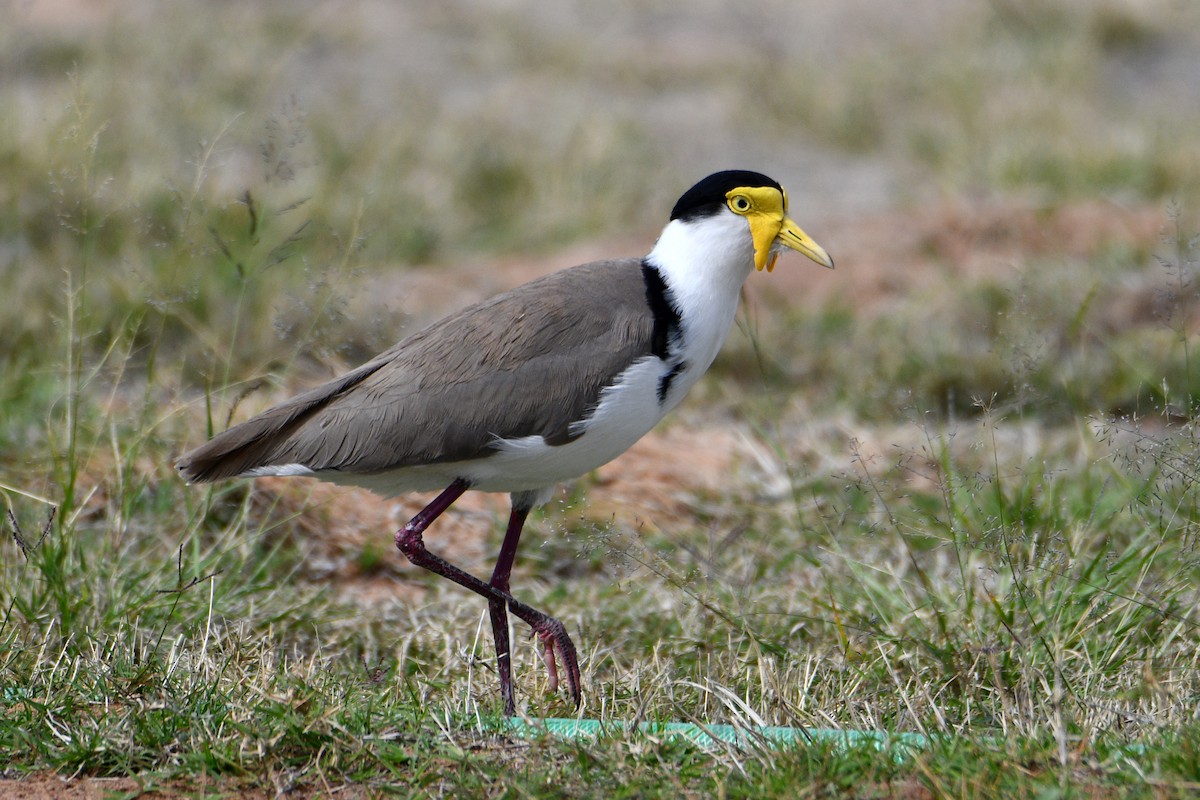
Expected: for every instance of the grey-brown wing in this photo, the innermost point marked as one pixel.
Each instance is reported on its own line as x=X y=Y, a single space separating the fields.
x=527 y=362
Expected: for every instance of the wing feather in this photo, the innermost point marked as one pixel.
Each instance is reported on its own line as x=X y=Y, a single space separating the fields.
x=528 y=362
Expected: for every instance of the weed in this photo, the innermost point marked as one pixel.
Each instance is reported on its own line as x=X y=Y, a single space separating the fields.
x=1011 y=572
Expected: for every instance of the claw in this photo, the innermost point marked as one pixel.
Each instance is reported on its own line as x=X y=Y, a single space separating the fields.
x=554 y=638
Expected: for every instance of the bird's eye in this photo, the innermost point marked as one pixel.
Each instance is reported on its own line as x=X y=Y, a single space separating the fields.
x=739 y=203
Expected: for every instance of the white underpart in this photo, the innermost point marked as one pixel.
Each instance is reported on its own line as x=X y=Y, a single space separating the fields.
x=627 y=411
x=281 y=471
x=704 y=264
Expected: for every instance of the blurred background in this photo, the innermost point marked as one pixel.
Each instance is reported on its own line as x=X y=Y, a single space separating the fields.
x=914 y=493
x=204 y=208
x=306 y=157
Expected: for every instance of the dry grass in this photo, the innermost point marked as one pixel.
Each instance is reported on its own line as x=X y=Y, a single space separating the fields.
x=947 y=488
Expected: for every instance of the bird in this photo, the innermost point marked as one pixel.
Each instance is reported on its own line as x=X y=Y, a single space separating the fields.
x=536 y=386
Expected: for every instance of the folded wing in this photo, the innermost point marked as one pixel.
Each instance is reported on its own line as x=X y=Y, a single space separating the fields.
x=527 y=362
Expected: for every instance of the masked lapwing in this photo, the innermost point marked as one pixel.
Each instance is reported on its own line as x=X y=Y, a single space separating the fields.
x=536 y=386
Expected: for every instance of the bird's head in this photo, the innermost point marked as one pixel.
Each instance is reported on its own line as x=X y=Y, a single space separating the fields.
x=762 y=203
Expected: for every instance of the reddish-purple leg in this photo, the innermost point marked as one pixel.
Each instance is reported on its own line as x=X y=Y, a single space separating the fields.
x=498 y=610
x=552 y=632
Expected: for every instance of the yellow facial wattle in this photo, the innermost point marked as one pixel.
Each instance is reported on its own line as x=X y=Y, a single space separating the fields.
x=765 y=210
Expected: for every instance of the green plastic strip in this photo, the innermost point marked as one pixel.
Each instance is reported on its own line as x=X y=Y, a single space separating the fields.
x=709 y=736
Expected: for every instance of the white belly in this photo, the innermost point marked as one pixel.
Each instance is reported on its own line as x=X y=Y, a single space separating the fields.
x=627 y=411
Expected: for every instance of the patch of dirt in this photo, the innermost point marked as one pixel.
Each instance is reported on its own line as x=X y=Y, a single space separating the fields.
x=53 y=787
x=50 y=786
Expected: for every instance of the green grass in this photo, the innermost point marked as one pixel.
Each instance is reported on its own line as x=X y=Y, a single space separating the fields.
x=974 y=516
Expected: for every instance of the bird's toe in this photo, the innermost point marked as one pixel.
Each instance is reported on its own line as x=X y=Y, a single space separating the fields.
x=557 y=644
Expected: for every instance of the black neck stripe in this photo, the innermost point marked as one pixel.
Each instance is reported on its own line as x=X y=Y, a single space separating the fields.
x=667 y=319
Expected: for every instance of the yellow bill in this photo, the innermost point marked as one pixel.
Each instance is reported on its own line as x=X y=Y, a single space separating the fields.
x=791 y=236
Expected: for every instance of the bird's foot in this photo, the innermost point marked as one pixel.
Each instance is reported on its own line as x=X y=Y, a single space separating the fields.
x=555 y=639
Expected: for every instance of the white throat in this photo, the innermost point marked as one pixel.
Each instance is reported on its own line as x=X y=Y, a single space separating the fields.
x=704 y=263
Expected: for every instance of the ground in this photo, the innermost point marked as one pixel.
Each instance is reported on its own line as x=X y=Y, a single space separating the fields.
x=946 y=488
